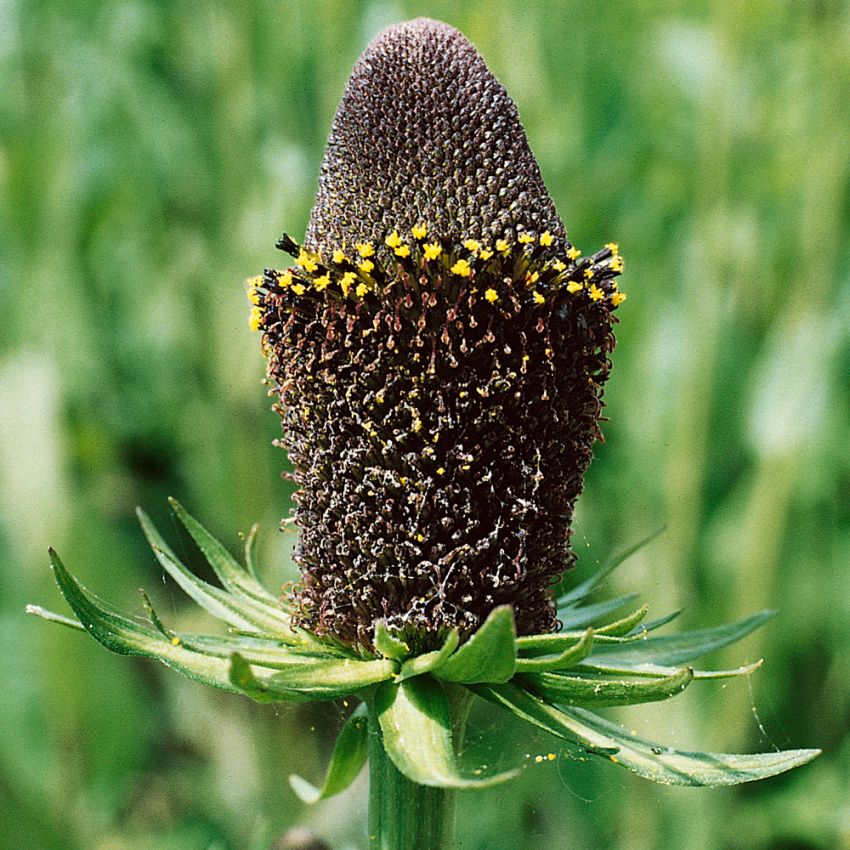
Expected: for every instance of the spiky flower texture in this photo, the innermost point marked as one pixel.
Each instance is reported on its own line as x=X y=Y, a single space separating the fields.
x=438 y=350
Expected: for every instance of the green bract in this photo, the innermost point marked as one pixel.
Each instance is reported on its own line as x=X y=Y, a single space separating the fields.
x=551 y=681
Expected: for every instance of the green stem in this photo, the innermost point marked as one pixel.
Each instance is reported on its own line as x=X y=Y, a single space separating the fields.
x=402 y=814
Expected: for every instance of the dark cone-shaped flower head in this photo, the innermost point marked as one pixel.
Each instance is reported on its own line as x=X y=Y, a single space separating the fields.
x=439 y=350
x=425 y=133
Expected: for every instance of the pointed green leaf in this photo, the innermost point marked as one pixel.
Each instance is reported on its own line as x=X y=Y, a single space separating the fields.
x=417 y=733
x=489 y=655
x=213 y=599
x=620 y=628
x=557 y=642
x=644 y=628
x=569 y=657
x=237 y=580
x=599 y=691
x=586 y=615
x=429 y=660
x=582 y=591
x=251 y=552
x=388 y=645
x=52 y=617
x=124 y=636
x=349 y=756
x=674 y=650
x=653 y=670
x=333 y=677
x=645 y=758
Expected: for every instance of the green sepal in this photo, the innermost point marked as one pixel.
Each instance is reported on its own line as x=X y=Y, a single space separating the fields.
x=645 y=628
x=333 y=677
x=530 y=646
x=127 y=637
x=238 y=611
x=251 y=552
x=600 y=691
x=350 y=752
x=673 y=650
x=569 y=657
x=229 y=571
x=388 y=645
x=621 y=628
x=582 y=591
x=429 y=660
x=416 y=727
x=578 y=617
x=645 y=758
x=53 y=617
x=489 y=655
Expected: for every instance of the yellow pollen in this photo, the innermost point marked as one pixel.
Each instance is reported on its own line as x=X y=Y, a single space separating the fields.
x=347 y=281
x=588 y=273
x=538 y=298
x=306 y=261
x=436 y=438
x=596 y=293
x=559 y=265
x=402 y=251
x=613 y=247
x=532 y=277
x=461 y=268
x=393 y=240
x=416 y=426
x=525 y=238
x=573 y=253
x=361 y=290
x=253 y=295
x=472 y=245
x=548 y=352
x=551 y=756
x=526 y=358
x=365 y=249
x=366 y=266
x=617 y=298
x=617 y=264
x=420 y=537
x=546 y=239
x=284 y=280
x=432 y=250
x=419 y=231
x=403 y=481
x=575 y=286
x=503 y=246
x=298 y=288
x=175 y=641
x=485 y=254
x=255 y=318
x=491 y=295
x=338 y=257
x=441 y=471
x=538 y=759
x=322 y=282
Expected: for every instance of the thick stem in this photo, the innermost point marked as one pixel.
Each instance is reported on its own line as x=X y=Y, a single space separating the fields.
x=402 y=814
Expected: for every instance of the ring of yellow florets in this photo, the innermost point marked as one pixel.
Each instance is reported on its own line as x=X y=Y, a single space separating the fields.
x=523 y=272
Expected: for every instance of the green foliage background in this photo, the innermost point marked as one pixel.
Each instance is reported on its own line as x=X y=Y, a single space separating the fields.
x=151 y=153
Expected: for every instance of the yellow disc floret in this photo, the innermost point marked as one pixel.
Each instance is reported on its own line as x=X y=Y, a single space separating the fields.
x=461 y=268
x=432 y=250
x=491 y=295
x=419 y=231
x=365 y=249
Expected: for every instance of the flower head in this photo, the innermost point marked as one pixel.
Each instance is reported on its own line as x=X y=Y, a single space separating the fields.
x=439 y=414
x=439 y=402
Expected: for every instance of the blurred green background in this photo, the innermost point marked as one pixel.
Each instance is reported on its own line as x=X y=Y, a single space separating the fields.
x=150 y=155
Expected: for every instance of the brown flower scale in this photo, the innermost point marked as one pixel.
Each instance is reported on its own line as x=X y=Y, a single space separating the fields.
x=439 y=351
x=439 y=414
